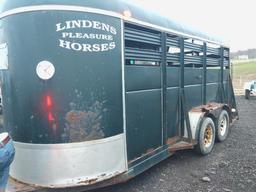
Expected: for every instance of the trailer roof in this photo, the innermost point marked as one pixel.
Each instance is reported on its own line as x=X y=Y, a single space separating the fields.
x=117 y=6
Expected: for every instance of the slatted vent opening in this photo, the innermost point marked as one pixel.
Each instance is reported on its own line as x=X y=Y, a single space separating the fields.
x=142 y=46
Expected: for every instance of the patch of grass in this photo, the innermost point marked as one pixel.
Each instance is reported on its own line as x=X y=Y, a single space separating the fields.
x=244 y=68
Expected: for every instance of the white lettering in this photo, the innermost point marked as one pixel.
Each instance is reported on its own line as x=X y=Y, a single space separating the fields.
x=96 y=47
x=112 y=45
x=105 y=27
x=59 y=27
x=87 y=47
x=86 y=24
x=68 y=24
x=79 y=35
x=92 y=36
x=76 y=46
x=96 y=25
x=75 y=24
x=104 y=47
x=113 y=30
x=86 y=36
x=64 y=44
x=65 y=34
x=107 y=39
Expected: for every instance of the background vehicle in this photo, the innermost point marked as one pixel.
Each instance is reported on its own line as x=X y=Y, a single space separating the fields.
x=96 y=93
x=249 y=88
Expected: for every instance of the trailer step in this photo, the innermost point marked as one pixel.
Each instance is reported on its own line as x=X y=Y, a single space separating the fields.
x=180 y=145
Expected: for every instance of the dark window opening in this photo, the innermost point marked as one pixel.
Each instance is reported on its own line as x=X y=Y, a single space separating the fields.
x=140 y=62
x=143 y=46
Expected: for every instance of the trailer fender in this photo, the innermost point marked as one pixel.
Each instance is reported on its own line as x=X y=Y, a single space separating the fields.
x=197 y=114
x=195 y=119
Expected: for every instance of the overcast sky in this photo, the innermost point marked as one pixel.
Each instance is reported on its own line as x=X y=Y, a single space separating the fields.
x=232 y=21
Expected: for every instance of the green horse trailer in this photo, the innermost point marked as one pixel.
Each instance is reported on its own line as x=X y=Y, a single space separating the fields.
x=96 y=92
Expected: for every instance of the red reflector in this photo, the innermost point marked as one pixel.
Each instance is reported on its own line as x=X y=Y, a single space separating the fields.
x=48 y=101
x=50 y=117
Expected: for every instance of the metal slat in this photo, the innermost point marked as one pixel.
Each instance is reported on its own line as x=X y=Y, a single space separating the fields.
x=214 y=51
x=172 y=42
x=142 y=36
x=193 y=47
x=193 y=59
x=173 y=58
x=142 y=54
x=143 y=33
x=212 y=61
x=139 y=57
x=141 y=39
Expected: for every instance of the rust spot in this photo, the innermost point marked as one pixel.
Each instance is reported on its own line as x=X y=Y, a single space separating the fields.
x=85 y=125
x=74 y=116
x=90 y=181
x=180 y=146
x=172 y=140
x=150 y=151
x=207 y=107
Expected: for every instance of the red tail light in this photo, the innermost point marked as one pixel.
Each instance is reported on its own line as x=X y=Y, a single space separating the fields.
x=48 y=101
x=50 y=117
x=49 y=109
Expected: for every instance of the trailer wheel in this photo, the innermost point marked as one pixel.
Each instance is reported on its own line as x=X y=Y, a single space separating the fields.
x=247 y=94
x=222 y=126
x=206 y=137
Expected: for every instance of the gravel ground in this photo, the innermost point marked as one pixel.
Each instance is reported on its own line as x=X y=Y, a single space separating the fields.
x=231 y=167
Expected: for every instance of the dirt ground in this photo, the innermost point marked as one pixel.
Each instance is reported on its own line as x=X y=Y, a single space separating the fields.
x=231 y=167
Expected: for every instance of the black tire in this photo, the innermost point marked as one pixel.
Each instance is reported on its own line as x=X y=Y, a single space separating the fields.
x=206 y=137
x=247 y=94
x=222 y=128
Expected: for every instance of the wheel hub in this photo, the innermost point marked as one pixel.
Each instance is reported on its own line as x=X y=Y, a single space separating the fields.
x=223 y=126
x=208 y=136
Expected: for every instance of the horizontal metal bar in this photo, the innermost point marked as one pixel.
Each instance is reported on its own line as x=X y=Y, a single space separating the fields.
x=193 y=59
x=214 y=51
x=193 y=47
x=142 y=36
x=173 y=57
x=144 y=90
x=172 y=42
x=142 y=54
x=196 y=85
x=213 y=61
x=142 y=51
x=170 y=88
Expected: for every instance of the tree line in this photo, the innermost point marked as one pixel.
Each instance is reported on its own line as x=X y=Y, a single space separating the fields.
x=251 y=53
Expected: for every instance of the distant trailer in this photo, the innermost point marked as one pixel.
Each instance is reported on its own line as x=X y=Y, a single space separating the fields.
x=94 y=93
